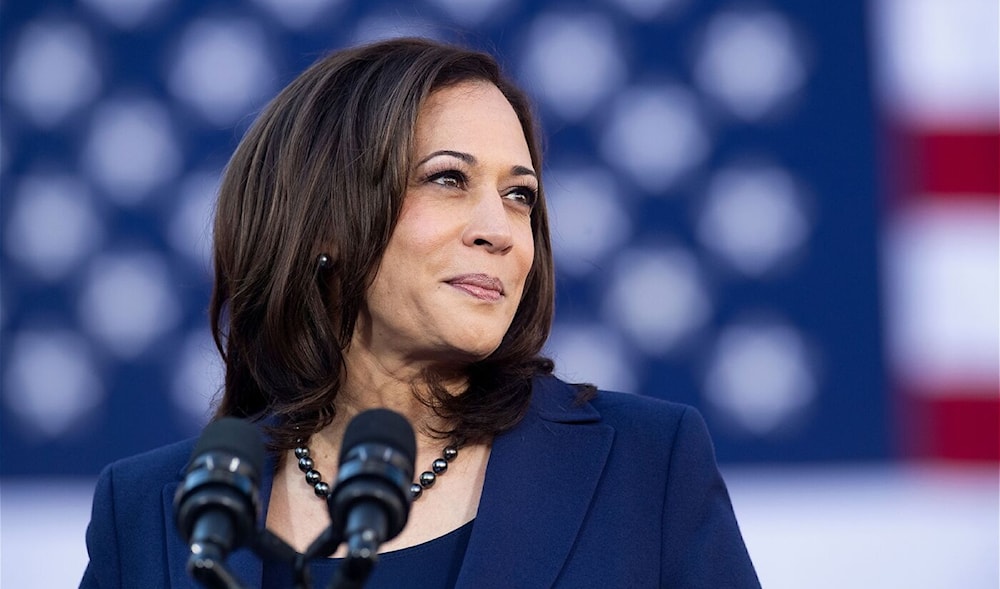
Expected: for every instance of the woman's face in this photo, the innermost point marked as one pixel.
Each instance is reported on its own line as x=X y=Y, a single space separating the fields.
x=452 y=275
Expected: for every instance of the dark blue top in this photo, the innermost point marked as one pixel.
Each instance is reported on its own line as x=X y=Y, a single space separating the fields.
x=432 y=565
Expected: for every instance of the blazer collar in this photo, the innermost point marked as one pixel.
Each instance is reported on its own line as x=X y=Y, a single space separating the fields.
x=540 y=480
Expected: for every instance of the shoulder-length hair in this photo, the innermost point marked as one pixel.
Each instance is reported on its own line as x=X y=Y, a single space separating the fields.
x=324 y=169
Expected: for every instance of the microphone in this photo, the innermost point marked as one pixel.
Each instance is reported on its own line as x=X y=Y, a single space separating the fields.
x=217 y=506
x=370 y=500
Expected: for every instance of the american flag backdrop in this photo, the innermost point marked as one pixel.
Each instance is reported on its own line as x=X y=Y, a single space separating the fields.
x=782 y=212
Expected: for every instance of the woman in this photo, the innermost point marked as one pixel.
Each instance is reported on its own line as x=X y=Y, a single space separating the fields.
x=381 y=240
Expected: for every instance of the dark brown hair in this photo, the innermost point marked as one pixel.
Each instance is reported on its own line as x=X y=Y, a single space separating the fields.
x=324 y=170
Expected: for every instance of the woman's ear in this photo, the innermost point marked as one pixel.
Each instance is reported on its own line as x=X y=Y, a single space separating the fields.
x=324 y=262
x=326 y=259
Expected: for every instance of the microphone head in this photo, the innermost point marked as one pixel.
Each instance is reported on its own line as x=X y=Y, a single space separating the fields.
x=376 y=471
x=222 y=477
x=380 y=426
x=234 y=436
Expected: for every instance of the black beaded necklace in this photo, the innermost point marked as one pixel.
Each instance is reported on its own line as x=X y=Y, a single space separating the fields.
x=322 y=489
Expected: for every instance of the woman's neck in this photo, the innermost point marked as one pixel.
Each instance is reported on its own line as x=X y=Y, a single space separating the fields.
x=370 y=384
x=400 y=384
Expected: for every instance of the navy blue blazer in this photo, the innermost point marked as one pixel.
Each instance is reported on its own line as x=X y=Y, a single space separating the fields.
x=620 y=492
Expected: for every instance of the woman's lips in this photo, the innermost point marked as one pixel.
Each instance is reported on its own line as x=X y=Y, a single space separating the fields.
x=481 y=286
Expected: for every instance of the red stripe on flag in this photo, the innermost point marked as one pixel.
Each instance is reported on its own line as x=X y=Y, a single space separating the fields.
x=959 y=425
x=949 y=164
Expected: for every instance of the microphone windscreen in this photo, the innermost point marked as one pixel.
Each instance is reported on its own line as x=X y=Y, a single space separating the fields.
x=380 y=426
x=235 y=436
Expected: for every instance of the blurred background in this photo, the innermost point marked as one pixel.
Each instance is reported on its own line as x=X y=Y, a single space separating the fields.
x=782 y=212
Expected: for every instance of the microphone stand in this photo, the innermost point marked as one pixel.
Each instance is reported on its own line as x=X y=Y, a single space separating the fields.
x=207 y=566
x=269 y=546
x=356 y=567
x=354 y=571
x=209 y=569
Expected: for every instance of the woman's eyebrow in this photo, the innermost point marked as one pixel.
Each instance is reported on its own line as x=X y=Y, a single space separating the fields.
x=465 y=157
x=471 y=160
x=522 y=171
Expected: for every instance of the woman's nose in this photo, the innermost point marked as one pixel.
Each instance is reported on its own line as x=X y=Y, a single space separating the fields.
x=489 y=225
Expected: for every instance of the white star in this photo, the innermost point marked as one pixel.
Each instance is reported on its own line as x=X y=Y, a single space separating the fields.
x=650 y=9
x=469 y=12
x=222 y=69
x=760 y=375
x=190 y=228
x=657 y=297
x=753 y=218
x=591 y=353
x=198 y=377
x=572 y=62
x=132 y=149
x=588 y=218
x=128 y=302
x=53 y=225
x=751 y=62
x=299 y=14
x=126 y=14
x=377 y=28
x=655 y=135
x=51 y=381
x=52 y=72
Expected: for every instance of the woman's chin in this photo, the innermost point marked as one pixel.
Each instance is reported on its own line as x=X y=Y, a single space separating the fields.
x=463 y=353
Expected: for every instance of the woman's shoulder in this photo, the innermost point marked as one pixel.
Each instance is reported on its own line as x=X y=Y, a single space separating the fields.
x=158 y=466
x=636 y=419
x=641 y=425
x=606 y=405
x=632 y=404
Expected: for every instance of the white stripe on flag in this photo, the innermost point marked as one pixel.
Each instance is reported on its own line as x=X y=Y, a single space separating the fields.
x=939 y=60
x=943 y=269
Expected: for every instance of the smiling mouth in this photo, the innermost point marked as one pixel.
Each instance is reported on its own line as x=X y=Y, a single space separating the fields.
x=481 y=286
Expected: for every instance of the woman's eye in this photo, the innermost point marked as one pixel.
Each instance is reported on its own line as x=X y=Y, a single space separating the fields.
x=523 y=194
x=452 y=178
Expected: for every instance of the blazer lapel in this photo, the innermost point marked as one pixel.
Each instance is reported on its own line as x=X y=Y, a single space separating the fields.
x=540 y=480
